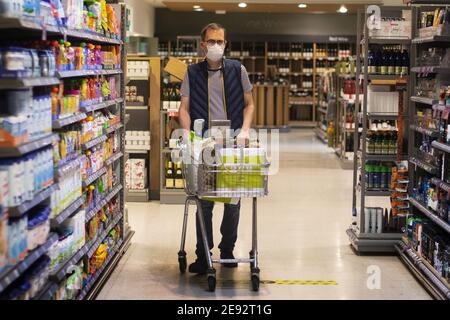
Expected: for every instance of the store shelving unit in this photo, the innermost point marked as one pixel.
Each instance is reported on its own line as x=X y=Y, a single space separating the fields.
x=326 y=96
x=35 y=30
x=372 y=242
x=10 y=274
x=422 y=269
x=168 y=195
x=343 y=134
x=140 y=121
x=265 y=58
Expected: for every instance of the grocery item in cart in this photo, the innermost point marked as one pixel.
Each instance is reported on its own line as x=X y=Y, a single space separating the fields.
x=249 y=178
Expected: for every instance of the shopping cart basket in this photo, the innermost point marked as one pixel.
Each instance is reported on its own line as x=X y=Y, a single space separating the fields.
x=241 y=173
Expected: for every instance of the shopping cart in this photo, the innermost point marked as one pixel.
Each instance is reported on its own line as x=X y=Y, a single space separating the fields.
x=242 y=179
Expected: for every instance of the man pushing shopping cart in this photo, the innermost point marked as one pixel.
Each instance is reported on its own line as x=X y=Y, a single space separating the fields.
x=213 y=90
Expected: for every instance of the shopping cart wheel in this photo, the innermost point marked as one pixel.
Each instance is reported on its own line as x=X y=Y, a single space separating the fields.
x=182 y=262
x=255 y=282
x=211 y=280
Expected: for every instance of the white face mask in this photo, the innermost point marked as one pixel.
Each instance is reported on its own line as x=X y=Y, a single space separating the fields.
x=215 y=52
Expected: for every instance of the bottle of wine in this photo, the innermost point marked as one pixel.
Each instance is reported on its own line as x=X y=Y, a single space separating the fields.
x=398 y=63
x=405 y=62
x=391 y=62
x=169 y=176
x=383 y=63
x=371 y=62
x=179 y=184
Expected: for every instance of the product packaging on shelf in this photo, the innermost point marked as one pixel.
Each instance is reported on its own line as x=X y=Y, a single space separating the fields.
x=85 y=56
x=138 y=69
x=72 y=285
x=136 y=174
x=31 y=174
x=28 y=285
x=17 y=239
x=137 y=140
x=28 y=117
x=434 y=23
x=3 y=241
x=430 y=243
x=38 y=226
x=69 y=189
x=72 y=238
x=381 y=100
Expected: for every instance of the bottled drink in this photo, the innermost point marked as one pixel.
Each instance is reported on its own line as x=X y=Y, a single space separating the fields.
x=383 y=63
x=371 y=62
x=390 y=62
x=179 y=184
x=405 y=62
x=398 y=62
x=169 y=176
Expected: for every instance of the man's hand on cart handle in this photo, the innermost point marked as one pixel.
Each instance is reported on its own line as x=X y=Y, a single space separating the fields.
x=243 y=139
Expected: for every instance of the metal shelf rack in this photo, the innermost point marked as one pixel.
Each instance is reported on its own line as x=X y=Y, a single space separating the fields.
x=372 y=242
x=29 y=28
x=423 y=271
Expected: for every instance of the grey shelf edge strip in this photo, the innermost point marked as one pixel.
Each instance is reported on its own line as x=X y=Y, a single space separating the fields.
x=61 y=123
x=431 y=215
x=416 y=261
x=14 y=272
x=94 y=176
x=114 y=158
x=60 y=218
x=428 y=132
x=441 y=146
x=35 y=24
x=424 y=100
x=48 y=292
x=428 y=168
x=443 y=185
x=67 y=167
x=18 y=211
x=101 y=105
x=92 y=143
x=11 y=152
x=114 y=128
x=87 y=73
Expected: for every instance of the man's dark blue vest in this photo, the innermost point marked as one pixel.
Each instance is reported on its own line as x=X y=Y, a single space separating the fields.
x=234 y=92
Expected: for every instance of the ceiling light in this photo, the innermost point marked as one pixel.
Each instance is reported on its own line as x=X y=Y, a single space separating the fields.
x=242 y=5
x=302 y=5
x=343 y=9
x=196 y=7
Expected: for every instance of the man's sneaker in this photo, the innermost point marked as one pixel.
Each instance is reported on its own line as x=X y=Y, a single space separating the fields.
x=228 y=255
x=199 y=266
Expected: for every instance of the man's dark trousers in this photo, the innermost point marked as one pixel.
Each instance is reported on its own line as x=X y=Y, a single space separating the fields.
x=228 y=229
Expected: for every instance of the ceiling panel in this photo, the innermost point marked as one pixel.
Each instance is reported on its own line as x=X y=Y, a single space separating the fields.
x=266 y=7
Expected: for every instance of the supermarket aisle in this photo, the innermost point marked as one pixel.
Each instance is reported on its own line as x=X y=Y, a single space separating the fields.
x=302 y=237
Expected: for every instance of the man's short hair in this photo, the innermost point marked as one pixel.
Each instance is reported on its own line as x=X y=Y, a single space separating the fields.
x=212 y=26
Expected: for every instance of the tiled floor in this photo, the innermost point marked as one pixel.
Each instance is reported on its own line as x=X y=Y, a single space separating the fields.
x=302 y=236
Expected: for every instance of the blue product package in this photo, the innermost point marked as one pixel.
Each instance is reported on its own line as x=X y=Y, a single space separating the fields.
x=426 y=187
x=31 y=7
